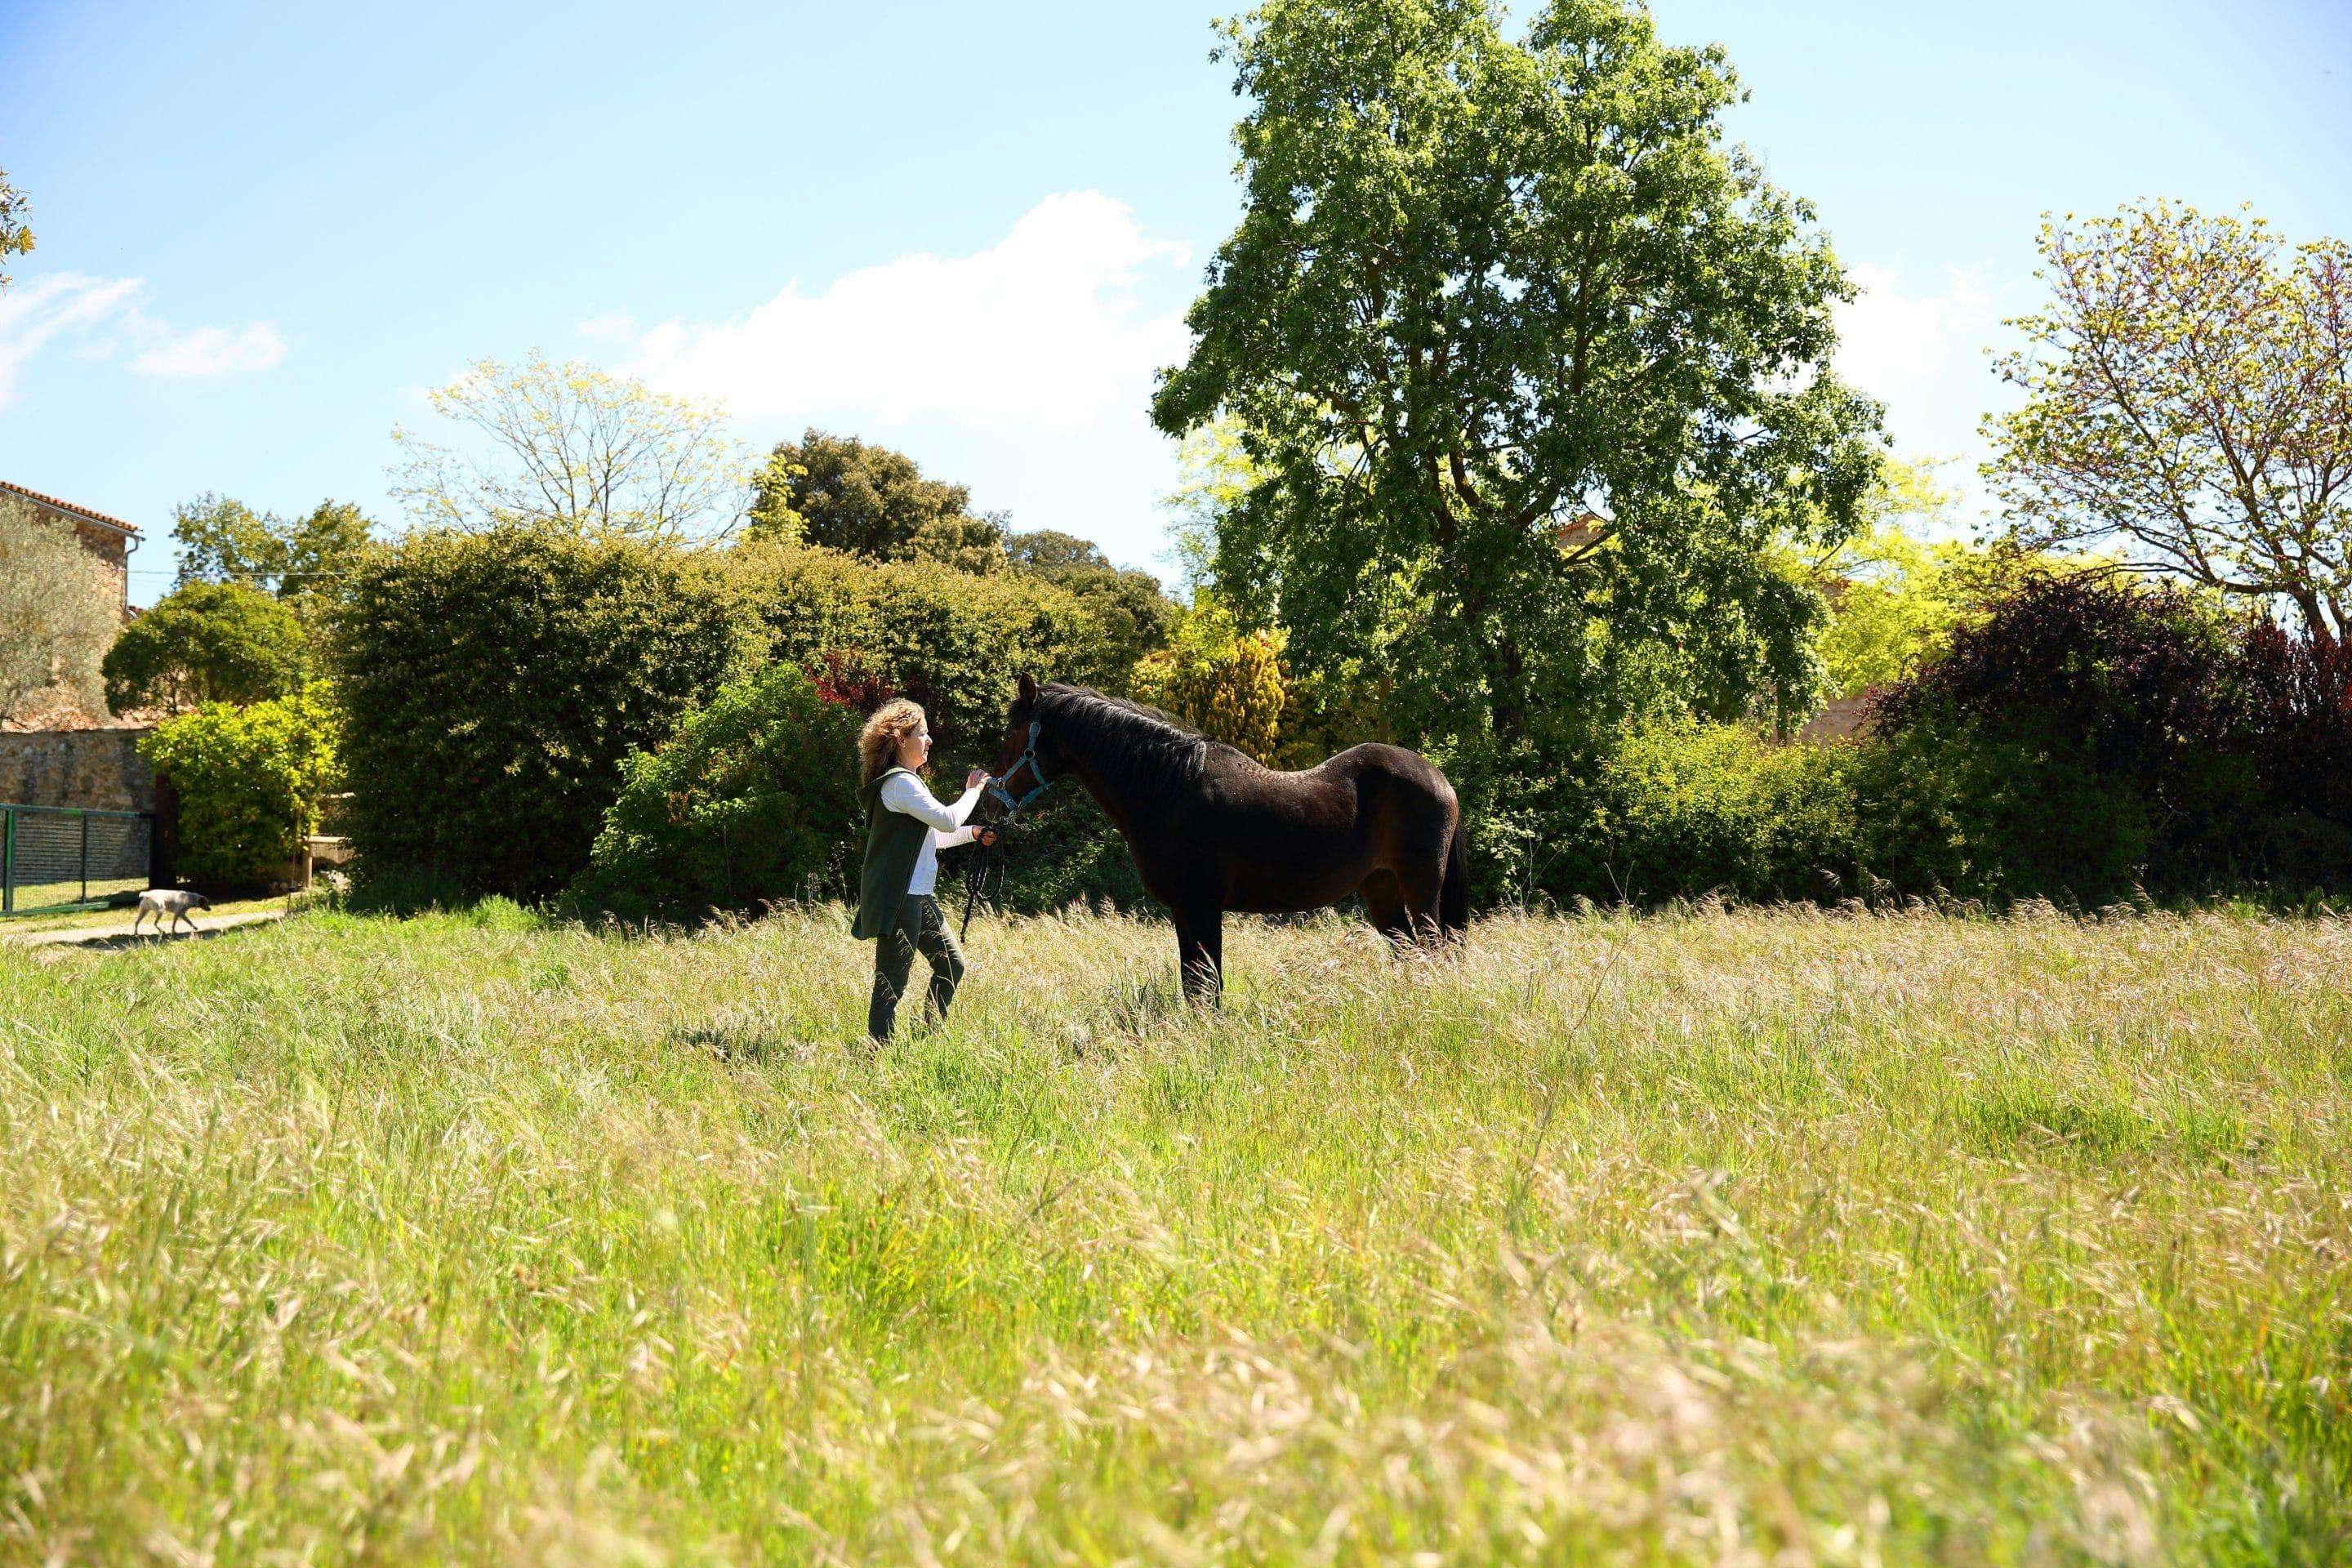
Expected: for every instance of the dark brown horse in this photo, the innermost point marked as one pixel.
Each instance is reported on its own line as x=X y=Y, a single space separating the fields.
x=1212 y=830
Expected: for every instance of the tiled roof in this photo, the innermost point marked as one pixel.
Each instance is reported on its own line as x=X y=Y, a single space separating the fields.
x=66 y=506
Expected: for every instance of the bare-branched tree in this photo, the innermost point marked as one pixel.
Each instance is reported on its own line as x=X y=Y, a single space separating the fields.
x=576 y=448
x=2188 y=401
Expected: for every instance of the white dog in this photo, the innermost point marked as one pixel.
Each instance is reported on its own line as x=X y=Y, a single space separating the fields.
x=175 y=902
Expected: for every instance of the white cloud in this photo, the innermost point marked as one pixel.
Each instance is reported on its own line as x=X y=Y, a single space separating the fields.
x=1888 y=340
x=1023 y=370
x=1922 y=355
x=213 y=351
x=102 y=317
x=1046 y=325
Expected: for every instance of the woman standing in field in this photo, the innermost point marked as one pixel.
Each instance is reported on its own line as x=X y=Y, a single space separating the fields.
x=905 y=830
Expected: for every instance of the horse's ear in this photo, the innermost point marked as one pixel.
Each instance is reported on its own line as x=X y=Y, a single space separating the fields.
x=1028 y=687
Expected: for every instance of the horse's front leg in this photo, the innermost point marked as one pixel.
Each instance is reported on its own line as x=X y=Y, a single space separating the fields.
x=1201 y=952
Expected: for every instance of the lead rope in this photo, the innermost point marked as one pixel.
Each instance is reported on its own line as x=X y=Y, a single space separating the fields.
x=975 y=877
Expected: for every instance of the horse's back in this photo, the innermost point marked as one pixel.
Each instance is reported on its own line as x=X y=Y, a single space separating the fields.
x=1376 y=760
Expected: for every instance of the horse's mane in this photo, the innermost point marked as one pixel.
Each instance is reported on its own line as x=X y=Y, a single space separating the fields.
x=1138 y=749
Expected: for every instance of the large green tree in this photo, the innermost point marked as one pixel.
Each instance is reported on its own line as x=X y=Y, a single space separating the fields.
x=2189 y=403
x=208 y=642
x=1531 y=363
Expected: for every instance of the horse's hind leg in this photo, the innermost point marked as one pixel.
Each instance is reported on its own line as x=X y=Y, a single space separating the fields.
x=1420 y=884
x=1384 y=903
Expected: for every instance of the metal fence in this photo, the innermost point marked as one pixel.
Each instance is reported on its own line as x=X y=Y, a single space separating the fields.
x=54 y=857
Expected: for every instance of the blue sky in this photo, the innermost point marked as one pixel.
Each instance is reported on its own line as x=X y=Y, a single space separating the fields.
x=968 y=231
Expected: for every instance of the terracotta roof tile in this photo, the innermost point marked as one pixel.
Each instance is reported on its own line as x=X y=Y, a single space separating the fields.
x=68 y=506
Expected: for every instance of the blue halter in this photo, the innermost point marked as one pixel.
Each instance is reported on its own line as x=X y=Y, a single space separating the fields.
x=1027 y=759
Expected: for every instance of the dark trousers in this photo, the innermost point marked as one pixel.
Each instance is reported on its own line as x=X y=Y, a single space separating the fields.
x=921 y=925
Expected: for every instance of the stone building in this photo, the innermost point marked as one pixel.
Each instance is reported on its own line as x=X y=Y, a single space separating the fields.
x=110 y=539
x=51 y=752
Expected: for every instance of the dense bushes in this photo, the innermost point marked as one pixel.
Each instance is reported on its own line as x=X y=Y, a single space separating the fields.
x=2077 y=737
x=248 y=782
x=495 y=683
x=2082 y=739
x=1681 y=810
x=492 y=683
x=754 y=799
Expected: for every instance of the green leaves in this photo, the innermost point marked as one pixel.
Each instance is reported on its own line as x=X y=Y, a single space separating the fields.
x=1528 y=366
x=752 y=800
x=207 y=642
x=222 y=540
x=15 y=236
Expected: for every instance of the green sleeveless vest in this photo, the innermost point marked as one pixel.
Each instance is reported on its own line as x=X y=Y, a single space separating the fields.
x=893 y=840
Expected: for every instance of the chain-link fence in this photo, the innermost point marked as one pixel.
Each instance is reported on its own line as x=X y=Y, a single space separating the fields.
x=57 y=858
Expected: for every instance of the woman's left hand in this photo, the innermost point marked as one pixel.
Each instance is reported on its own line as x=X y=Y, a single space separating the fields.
x=983 y=837
x=975 y=778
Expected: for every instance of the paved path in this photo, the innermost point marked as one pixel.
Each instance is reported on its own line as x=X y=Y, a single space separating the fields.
x=115 y=938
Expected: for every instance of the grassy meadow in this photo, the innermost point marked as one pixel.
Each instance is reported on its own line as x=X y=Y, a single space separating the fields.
x=1722 y=1238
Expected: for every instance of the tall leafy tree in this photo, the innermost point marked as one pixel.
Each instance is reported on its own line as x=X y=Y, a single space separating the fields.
x=2189 y=401
x=1531 y=363
x=208 y=642
x=222 y=540
x=1046 y=551
x=866 y=498
x=15 y=235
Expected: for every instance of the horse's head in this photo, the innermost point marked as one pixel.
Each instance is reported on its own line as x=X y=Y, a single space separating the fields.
x=1028 y=757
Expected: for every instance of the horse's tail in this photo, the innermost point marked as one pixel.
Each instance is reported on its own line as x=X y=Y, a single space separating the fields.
x=1453 y=891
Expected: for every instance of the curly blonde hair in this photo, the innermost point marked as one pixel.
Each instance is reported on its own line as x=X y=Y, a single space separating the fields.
x=878 y=743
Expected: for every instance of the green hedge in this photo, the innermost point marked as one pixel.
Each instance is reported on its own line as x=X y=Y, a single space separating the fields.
x=492 y=684
x=248 y=782
x=753 y=800
x=954 y=642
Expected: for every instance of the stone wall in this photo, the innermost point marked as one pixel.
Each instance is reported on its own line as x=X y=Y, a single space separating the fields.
x=97 y=770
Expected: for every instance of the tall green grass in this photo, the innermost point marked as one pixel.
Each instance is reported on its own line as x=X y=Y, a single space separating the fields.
x=1721 y=1238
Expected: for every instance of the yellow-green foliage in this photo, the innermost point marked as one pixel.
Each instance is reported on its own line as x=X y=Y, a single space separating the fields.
x=1894 y=610
x=1223 y=682
x=1749 y=1238
x=249 y=782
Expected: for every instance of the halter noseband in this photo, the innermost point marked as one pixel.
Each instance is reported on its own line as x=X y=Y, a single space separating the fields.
x=1027 y=759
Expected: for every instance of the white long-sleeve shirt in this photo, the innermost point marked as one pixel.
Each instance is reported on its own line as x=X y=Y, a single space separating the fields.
x=905 y=793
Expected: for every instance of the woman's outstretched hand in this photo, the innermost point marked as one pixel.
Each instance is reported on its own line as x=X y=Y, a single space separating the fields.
x=975 y=778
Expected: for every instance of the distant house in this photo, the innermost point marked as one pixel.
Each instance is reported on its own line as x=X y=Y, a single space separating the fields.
x=110 y=539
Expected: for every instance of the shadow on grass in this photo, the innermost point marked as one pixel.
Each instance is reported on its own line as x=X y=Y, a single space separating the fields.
x=122 y=941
